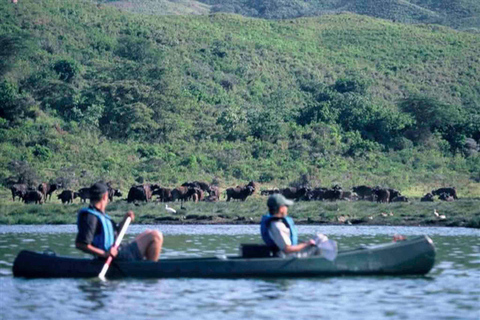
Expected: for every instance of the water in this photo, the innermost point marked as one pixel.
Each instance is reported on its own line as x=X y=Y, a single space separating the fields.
x=450 y=291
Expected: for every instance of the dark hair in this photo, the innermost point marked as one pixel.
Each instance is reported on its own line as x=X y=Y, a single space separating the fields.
x=273 y=210
x=97 y=191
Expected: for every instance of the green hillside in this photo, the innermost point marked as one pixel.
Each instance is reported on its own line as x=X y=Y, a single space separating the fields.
x=90 y=92
x=461 y=14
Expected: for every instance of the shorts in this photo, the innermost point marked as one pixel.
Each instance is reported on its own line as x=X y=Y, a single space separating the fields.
x=129 y=252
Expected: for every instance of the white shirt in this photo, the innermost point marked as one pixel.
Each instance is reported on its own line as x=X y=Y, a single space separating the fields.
x=280 y=234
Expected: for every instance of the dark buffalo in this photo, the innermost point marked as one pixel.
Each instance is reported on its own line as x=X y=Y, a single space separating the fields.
x=47 y=189
x=113 y=193
x=215 y=192
x=427 y=198
x=182 y=193
x=18 y=190
x=67 y=196
x=214 y=195
x=239 y=193
x=399 y=199
x=33 y=196
x=200 y=194
x=198 y=184
x=139 y=193
x=450 y=191
x=269 y=192
x=383 y=195
x=393 y=194
x=317 y=194
x=333 y=194
x=294 y=193
x=446 y=197
x=349 y=196
x=211 y=198
x=84 y=194
x=164 y=194
x=363 y=191
x=253 y=185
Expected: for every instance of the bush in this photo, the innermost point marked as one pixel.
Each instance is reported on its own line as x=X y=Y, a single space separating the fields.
x=67 y=69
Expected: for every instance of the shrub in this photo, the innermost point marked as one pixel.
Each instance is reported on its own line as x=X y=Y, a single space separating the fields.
x=67 y=69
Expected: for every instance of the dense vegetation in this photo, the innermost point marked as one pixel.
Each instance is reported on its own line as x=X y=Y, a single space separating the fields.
x=461 y=14
x=89 y=92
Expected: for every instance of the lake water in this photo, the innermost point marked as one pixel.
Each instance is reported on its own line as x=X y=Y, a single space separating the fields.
x=450 y=291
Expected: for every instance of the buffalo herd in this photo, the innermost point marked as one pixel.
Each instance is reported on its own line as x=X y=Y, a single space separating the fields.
x=378 y=194
x=201 y=191
x=44 y=192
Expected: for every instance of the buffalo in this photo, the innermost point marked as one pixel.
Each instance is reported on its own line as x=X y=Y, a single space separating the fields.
x=349 y=196
x=363 y=191
x=198 y=184
x=449 y=191
x=239 y=193
x=446 y=197
x=294 y=193
x=427 y=198
x=47 y=189
x=269 y=192
x=33 y=196
x=113 y=193
x=182 y=193
x=383 y=195
x=393 y=194
x=67 y=196
x=164 y=194
x=18 y=190
x=399 y=199
x=84 y=194
x=142 y=192
x=214 y=195
x=333 y=194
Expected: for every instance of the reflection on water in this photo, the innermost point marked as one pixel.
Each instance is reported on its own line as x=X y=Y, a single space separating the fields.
x=450 y=291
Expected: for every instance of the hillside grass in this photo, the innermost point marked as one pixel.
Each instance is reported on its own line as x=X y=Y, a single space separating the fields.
x=103 y=94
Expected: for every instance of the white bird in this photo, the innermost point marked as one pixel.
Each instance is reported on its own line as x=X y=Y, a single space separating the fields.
x=435 y=213
x=171 y=210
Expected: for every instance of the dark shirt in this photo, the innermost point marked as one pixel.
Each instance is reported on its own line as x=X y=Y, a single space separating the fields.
x=89 y=226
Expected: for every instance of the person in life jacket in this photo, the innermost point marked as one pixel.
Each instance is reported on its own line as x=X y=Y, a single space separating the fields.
x=279 y=232
x=97 y=232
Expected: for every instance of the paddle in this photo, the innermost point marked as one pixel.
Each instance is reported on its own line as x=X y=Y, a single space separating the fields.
x=328 y=249
x=116 y=245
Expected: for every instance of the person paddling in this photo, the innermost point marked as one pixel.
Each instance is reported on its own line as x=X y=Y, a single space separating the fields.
x=280 y=233
x=97 y=232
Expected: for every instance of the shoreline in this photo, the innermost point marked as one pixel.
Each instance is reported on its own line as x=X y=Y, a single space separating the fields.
x=461 y=213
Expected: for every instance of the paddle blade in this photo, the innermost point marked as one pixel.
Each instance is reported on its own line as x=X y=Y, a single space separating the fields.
x=329 y=249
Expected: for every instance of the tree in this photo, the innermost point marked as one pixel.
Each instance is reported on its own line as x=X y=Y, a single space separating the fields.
x=11 y=46
x=434 y=116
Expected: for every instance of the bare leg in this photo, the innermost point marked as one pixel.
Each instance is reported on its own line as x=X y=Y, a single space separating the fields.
x=150 y=244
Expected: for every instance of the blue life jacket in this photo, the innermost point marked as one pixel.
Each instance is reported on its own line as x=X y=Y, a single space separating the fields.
x=265 y=225
x=106 y=238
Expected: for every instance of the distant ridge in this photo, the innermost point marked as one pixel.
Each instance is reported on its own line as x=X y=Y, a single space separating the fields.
x=460 y=14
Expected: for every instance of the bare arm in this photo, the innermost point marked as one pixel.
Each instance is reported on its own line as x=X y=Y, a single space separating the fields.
x=298 y=247
x=88 y=248
x=128 y=214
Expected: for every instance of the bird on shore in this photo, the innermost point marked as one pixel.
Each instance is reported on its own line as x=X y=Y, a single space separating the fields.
x=439 y=216
x=170 y=210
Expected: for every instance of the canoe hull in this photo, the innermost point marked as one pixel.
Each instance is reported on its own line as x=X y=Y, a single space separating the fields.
x=413 y=257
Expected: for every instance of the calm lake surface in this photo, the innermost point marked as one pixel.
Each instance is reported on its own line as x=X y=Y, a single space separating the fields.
x=450 y=291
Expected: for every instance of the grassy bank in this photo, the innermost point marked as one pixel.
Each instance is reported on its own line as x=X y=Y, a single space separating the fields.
x=343 y=99
x=462 y=213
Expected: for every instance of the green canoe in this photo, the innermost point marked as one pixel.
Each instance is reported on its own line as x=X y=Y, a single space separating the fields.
x=409 y=257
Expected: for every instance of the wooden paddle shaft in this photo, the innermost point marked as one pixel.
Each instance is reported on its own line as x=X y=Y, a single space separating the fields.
x=118 y=241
